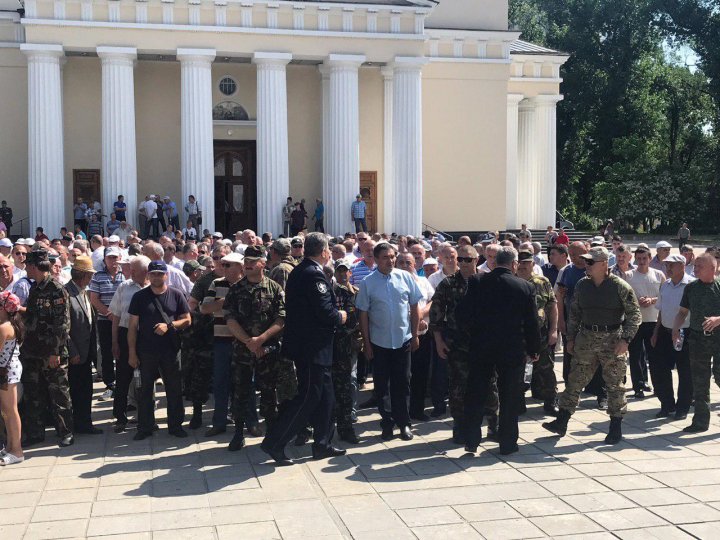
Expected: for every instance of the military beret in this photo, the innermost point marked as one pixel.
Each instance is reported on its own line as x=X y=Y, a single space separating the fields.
x=37 y=256
x=255 y=252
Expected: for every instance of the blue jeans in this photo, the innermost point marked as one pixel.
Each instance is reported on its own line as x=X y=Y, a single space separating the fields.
x=360 y=225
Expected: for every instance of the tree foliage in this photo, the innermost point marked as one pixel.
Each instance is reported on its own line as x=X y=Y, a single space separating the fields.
x=636 y=131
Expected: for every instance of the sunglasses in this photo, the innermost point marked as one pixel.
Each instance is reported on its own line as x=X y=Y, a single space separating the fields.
x=589 y=262
x=465 y=259
x=18 y=253
x=226 y=265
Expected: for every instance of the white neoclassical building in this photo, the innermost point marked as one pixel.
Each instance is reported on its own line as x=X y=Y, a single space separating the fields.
x=434 y=110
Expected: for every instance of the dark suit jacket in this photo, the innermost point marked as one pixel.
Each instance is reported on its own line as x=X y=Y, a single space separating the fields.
x=500 y=315
x=311 y=315
x=81 y=341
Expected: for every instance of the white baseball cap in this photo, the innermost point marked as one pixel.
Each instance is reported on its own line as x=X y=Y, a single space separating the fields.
x=663 y=244
x=5 y=242
x=114 y=239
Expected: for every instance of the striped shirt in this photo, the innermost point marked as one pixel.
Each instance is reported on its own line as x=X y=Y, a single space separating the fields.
x=105 y=286
x=219 y=289
x=360 y=271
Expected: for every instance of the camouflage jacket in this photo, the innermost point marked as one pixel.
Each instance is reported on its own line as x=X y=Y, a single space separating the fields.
x=613 y=302
x=442 y=311
x=280 y=273
x=200 y=334
x=47 y=319
x=544 y=297
x=255 y=307
x=345 y=296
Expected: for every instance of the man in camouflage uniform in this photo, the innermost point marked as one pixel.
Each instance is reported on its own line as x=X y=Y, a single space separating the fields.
x=255 y=316
x=604 y=317
x=701 y=300
x=345 y=354
x=281 y=261
x=544 y=383
x=44 y=354
x=453 y=346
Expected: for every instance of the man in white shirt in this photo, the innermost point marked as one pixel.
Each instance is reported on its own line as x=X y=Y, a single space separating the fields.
x=151 y=216
x=175 y=278
x=491 y=251
x=448 y=259
x=646 y=282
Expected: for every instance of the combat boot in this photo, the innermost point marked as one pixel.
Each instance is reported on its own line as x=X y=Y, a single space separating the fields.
x=196 y=420
x=614 y=435
x=237 y=442
x=550 y=407
x=559 y=425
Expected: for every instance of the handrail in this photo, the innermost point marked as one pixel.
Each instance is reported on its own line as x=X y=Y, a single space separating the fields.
x=427 y=227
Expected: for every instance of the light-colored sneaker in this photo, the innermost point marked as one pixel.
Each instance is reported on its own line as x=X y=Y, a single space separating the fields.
x=106 y=395
x=11 y=459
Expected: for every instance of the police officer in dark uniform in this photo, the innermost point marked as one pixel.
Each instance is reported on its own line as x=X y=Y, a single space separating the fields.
x=310 y=323
x=500 y=315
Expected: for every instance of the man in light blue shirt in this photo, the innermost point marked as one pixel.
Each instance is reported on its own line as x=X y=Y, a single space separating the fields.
x=357 y=212
x=389 y=319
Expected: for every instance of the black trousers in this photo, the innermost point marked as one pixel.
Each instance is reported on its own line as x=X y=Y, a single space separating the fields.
x=510 y=373
x=167 y=364
x=81 y=388
x=419 y=371
x=124 y=374
x=661 y=366
x=104 y=332
x=392 y=367
x=313 y=404
x=641 y=352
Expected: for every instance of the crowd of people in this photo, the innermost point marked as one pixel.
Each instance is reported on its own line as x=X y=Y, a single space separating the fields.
x=305 y=321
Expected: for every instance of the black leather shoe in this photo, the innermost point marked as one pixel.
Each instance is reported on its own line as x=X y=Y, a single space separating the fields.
x=420 y=417
x=406 y=434
x=387 y=434
x=369 y=403
x=302 y=438
x=663 y=413
x=681 y=415
x=550 y=407
x=215 y=431
x=349 y=436
x=695 y=428
x=31 y=441
x=67 y=440
x=255 y=430
x=281 y=460
x=180 y=433
x=327 y=452
x=196 y=420
x=639 y=394
x=92 y=430
x=141 y=435
x=507 y=450
x=471 y=449
x=119 y=427
x=237 y=442
x=647 y=388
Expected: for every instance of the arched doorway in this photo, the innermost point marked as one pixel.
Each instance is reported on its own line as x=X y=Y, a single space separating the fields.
x=235 y=186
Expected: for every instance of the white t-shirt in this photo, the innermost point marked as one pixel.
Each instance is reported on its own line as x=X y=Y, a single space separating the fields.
x=427 y=291
x=647 y=285
x=150 y=208
x=436 y=278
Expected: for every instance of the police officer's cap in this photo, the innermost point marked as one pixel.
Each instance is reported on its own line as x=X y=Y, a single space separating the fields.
x=255 y=253
x=525 y=255
x=36 y=257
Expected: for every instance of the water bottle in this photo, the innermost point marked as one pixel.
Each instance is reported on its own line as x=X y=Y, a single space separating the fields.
x=679 y=343
x=528 y=373
x=136 y=376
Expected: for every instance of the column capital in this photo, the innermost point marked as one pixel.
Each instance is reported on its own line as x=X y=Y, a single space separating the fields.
x=547 y=100
x=324 y=70
x=387 y=72
x=515 y=99
x=196 y=55
x=351 y=61
x=271 y=58
x=42 y=50
x=128 y=54
x=409 y=63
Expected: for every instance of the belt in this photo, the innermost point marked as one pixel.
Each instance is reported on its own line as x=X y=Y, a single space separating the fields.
x=601 y=327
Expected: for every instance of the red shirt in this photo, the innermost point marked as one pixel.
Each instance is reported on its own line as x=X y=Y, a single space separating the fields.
x=562 y=238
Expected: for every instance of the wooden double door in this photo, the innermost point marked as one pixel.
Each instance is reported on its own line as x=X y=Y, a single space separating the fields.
x=235 y=186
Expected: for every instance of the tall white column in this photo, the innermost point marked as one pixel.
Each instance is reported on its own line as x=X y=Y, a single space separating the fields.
x=388 y=188
x=527 y=165
x=511 y=204
x=546 y=155
x=273 y=180
x=46 y=174
x=343 y=141
x=119 y=163
x=327 y=184
x=407 y=145
x=196 y=131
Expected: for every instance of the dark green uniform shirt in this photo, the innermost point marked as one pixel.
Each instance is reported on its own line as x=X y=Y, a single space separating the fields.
x=703 y=300
x=442 y=311
x=47 y=319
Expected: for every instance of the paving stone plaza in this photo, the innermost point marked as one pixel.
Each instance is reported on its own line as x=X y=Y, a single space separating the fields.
x=658 y=483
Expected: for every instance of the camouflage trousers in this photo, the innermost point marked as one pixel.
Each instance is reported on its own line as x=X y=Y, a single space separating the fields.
x=593 y=349
x=275 y=379
x=197 y=371
x=458 y=371
x=704 y=362
x=344 y=375
x=544 y=382
x=45 y=387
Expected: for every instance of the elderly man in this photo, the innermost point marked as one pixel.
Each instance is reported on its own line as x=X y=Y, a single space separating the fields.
x=662 y=251
x=688 y=252
x=5 y=247
x=490 y=253
x=667 y=353
x=418 y=252
x=389 y=322
x=102 y=289
x=623 y=266
x=364 y=267
x=701 y=300
x=604 y=318
x=19 y=256
x=448 y=259
x=7 y=279
x=646 y=282
x=498 y=313
x=81 y=344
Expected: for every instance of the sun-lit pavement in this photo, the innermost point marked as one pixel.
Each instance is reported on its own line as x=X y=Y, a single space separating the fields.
x=658 y=483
